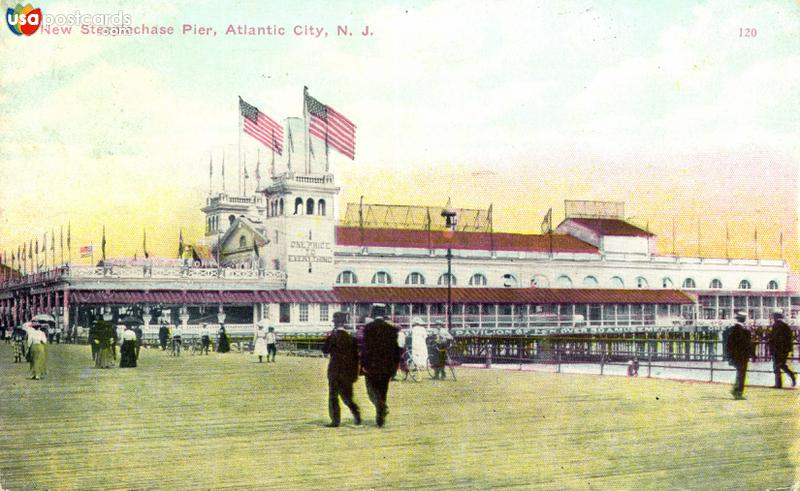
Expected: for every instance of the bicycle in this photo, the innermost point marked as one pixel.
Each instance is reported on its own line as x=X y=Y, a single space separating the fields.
x=410 y=369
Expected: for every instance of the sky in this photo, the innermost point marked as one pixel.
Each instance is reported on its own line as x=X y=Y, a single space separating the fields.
x=521 y=105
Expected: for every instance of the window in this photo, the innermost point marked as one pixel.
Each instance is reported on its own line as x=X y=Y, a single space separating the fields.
x=298 y=206
x=415 y=279
x=303 y=312
x=310 y=206
x=242 y=241
x=276 y=264
x=510 y=281
x=539 y=281
x=346 y=278
x=689 y=283
x=772 y=285
x=477 y=280
x=666 y=282
x=285 y=311
x=381 y=278
x=590 y=282
x=563 y=281
x=715 y=284
x=323 y=312
x=280 y=207
x=616 y=282
x=641 y=282
x=443 y=280
x=321 y=207
x=744 y=285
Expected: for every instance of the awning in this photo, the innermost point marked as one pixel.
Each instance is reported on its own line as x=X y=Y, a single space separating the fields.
x=532 y=296
x=200 y=297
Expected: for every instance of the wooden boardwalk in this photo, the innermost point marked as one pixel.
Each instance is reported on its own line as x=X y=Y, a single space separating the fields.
x=224 y=421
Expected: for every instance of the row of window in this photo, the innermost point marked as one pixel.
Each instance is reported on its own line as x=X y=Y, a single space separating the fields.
x=538 y=281
x=301 y=207
x=285 y=312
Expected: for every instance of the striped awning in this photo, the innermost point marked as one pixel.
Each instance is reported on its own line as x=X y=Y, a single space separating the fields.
x=200 y=297
x=532 y=296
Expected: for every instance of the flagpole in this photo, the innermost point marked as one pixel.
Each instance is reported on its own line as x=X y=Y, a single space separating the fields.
x=305 y=128
x=673 y=236
x=781 y=239
x=239 y=161
x=223 y=171
x=210 y=173
x=69 y=242
x=727 y=239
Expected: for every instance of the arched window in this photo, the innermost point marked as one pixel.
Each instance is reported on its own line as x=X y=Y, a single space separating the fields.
x=564 y=281
x=689 y=283
x=616 y=282
x=716 y=284
x=443 y=280
x=321 y=207
x=772 y=285
x=744 y=285
x=590 y=282
x=641 y=282
x=280 y=207
x=231 y=218
x=346 y=278
x=539 y=281
x=309 y=206
x=510 y=281
x=477 y=280
x=242 y=241
x=298 y=206
x=415 y=279
x=381 y=278
x=666 y=282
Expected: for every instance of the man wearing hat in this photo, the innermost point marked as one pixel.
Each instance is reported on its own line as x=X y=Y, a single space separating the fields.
x=738 y=351
x=342 y=369
x=380 y=359
x=780 y=345
x=442 y=342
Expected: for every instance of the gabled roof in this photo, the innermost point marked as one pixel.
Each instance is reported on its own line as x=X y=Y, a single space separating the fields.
x=248 y=224
x=422 y=239
x=371 y=294
x=610 y=226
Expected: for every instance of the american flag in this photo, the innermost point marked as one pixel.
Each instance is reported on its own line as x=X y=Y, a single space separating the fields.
x=329 y=125
x=261 y=127
x=87 y=251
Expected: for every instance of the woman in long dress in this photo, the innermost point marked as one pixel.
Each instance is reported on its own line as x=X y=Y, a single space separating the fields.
x=37 y=346
x=104 y=338
x=224 y=343
x=260 y=348
x=128 y=350
x=419 y=343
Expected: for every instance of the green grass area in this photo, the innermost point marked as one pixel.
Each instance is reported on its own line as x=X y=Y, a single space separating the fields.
x=220 y=421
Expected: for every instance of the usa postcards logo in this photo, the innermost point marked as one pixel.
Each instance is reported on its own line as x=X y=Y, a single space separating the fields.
x=24 y=20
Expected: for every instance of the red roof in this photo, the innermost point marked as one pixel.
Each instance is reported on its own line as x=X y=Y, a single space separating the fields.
x=356 y=294
x=422 y=239
x=611 y=226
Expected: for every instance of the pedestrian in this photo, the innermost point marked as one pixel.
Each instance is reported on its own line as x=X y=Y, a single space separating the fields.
x=36 y=345
x=163 y=335
x=401 y=348
x=117 y=339
x=8 y=333
x=104 y=339
x=442 y=342
x=127 y=358
x=92 y=338
x=205 y=339
x=342 y=370
x=380 y=358
x=419 y=343
x=223 y=345
x=272 y=344
x=177 y=340
x=781 y=344
x=738 y=351
x=18 y=336
x=139 y=339
x=260 y=339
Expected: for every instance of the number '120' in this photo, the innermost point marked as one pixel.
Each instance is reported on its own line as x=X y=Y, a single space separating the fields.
x=747 y=32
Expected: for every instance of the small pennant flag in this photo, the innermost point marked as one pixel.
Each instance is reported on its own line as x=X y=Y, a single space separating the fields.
x=87 y=251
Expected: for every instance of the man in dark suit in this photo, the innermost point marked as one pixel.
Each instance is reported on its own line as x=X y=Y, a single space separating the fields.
x=380 y=359
x=163 y=335
x=342 y=369
x=738 y=351
x=781 y=343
